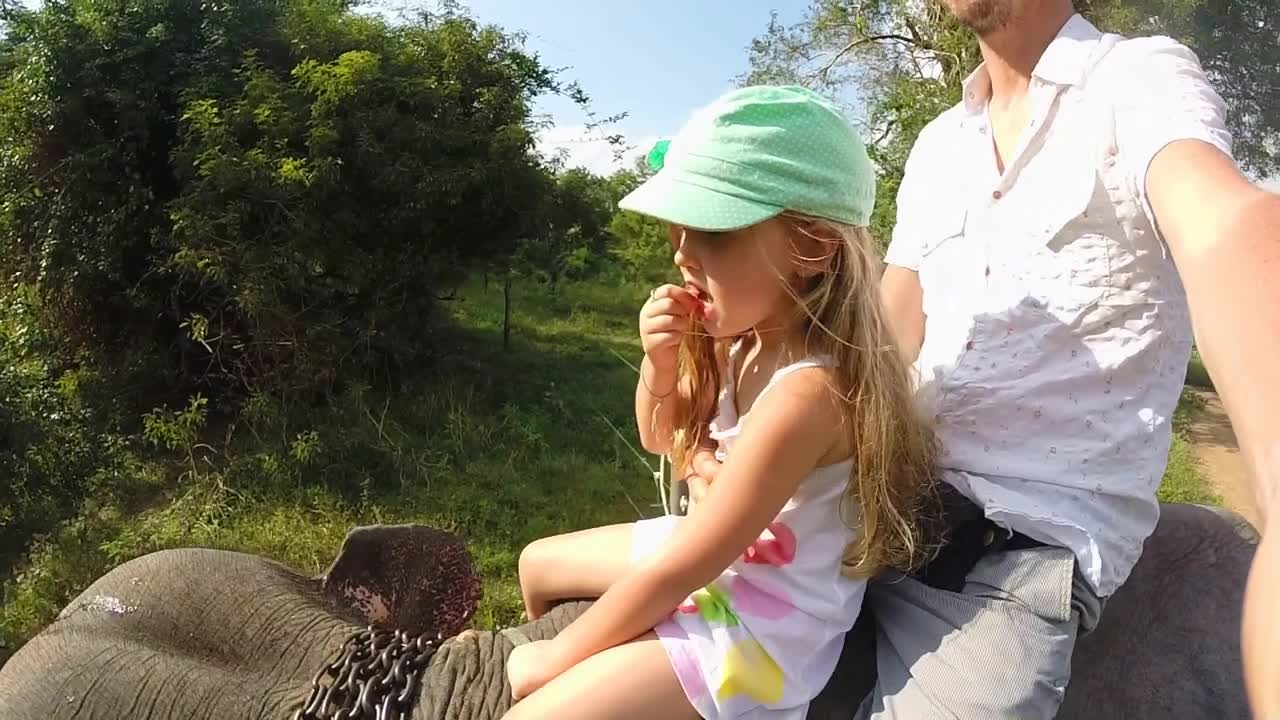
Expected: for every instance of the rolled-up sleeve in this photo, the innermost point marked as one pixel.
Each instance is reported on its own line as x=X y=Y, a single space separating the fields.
x=906 y=248
x=1162 y=95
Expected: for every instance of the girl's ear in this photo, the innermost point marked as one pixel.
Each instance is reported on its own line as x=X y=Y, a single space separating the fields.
x=815 y=245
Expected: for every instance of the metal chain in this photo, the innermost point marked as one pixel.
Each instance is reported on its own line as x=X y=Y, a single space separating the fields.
x=375 y=677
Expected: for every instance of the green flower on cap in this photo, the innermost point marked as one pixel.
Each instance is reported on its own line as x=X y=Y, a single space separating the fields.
x=658 y=154
x=754 y=153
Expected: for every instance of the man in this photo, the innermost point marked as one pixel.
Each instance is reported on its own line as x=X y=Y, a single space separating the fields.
x=1058 y=231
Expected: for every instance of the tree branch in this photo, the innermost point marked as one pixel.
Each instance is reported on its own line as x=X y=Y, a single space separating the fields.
x=915 y=34
x=859 y=42
x=889 y=125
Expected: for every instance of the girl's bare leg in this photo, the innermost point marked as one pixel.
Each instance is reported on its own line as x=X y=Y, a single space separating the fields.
x=633 y=680
x=581 y=564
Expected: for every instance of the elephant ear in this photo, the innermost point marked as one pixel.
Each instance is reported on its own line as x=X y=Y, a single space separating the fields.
x=411 y=577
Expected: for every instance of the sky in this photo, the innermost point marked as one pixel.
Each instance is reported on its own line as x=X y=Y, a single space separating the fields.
x=657 y=60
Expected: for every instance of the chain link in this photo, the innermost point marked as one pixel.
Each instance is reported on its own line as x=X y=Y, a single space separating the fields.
x=375 y=677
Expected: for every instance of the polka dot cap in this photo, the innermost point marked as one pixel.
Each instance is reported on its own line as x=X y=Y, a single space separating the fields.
x=753 y=153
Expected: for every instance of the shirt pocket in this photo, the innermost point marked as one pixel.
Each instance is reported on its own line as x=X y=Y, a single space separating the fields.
x=1077 y=241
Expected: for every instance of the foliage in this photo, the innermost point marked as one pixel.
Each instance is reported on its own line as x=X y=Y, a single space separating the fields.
x=903 y=62
x=642 y=249
x=1197 y=373
x=459 y=447
x=53 y=451
x=260 y=195
x=572 y=234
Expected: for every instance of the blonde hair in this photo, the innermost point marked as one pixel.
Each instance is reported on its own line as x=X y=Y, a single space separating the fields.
x=893 y=446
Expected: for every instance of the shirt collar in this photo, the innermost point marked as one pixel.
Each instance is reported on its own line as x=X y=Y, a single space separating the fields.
x=1064 y=62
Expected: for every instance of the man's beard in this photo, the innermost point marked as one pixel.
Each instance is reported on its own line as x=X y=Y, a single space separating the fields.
x=984 y=16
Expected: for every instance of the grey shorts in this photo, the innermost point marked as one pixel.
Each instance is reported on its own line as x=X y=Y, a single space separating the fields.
x=999 y=648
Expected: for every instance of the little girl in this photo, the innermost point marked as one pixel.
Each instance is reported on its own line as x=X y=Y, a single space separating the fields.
x=775 y=350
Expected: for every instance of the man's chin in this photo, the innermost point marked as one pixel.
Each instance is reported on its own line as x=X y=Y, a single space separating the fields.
x=983 y=17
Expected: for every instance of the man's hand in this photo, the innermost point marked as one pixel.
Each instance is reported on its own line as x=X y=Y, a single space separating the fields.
x=705 y=466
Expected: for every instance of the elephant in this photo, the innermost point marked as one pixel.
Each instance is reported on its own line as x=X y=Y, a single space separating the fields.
x=199 y=633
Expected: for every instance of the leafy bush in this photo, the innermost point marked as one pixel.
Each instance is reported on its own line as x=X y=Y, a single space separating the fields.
x=642 y=247
x=53 y=450
x=572 y=233
x=258 y=195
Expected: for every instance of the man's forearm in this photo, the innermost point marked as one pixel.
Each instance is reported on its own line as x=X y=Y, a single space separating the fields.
x=903 y=302
x=1234 y=287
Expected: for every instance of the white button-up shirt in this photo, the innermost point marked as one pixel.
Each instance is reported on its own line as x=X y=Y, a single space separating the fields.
x=1057 y=332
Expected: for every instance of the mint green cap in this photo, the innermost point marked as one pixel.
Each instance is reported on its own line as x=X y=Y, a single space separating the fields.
x=754 y=153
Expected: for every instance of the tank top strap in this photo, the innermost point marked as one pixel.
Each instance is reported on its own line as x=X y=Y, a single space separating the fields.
x=819 y=361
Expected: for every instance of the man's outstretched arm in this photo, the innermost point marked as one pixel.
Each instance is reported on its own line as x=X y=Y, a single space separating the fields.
x=1224 y=233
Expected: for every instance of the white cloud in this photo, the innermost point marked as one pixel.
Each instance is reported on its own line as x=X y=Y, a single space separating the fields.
x=590 y=150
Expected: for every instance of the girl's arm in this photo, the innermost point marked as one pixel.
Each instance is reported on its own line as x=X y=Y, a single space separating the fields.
x=790 y=431
x=655 y=406
x=663 y=322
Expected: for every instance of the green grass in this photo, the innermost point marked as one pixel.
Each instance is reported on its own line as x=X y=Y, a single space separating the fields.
x=502 y=447
x=1197 y=375
x=1184 y=481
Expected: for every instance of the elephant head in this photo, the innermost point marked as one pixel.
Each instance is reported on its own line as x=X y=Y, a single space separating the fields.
x=411 y=577
x=199 y=633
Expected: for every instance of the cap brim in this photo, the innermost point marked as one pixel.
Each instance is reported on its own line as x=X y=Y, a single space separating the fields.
x=665 y=197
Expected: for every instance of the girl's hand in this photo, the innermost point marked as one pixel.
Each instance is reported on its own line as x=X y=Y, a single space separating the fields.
x=663 y=322
x=705 y=466
x=526 y=669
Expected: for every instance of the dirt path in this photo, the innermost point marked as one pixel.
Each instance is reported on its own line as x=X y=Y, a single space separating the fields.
x=1215 y=447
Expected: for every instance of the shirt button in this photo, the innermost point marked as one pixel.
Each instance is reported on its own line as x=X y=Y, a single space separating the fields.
x=997 y=195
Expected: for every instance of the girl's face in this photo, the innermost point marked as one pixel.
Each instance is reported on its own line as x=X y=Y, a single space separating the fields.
x=738 y=276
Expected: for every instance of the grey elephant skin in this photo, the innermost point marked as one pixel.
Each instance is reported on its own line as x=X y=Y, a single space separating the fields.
x=215 y=634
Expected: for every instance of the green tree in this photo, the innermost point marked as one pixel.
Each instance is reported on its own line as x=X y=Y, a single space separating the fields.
x=573 y=233
x=264 y=194
x=641 y=247
x=902 y=63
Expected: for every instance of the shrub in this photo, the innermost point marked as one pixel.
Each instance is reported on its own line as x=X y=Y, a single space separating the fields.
x=258 y=195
